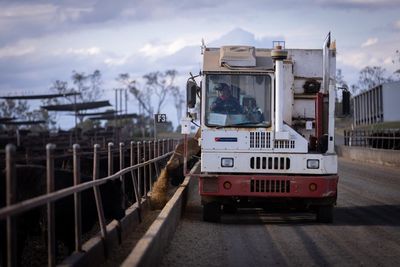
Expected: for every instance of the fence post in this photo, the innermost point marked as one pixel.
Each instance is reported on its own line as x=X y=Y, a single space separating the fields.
x=163 y=146
x=11 y=191
x=51 y=242
x=158 y=147
x=121 y=166
x=155 y=155
x=138 y=156
x=393 y=139
x=145 y=169
x=77 y=198
x=134 y=182
x=96 y=189
x=110 y=159
x=151 y=156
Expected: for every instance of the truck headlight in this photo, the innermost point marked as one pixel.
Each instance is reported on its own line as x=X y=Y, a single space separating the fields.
x=313 y=164
x=226 y=162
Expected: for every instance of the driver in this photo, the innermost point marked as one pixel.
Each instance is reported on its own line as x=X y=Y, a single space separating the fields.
x=225 y=103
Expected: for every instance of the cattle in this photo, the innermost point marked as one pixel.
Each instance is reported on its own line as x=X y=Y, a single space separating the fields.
x=31 y=182
x=385 y=140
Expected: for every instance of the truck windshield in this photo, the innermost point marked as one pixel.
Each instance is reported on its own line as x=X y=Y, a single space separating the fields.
x=238 y=100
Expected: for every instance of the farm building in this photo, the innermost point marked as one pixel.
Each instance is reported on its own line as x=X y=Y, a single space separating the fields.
x=378 y=104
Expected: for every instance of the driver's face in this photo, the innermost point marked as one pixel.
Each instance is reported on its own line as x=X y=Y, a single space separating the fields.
x=225 y=92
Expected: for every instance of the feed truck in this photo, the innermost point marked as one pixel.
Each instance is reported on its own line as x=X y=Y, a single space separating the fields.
x=267 y=128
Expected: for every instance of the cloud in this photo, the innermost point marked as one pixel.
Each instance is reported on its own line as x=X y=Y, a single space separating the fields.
x=369 y=42
x=358 y=4
x=157 y=49
x=396 y=25
x=91 y=51
x=116 y=61
x=16 y=51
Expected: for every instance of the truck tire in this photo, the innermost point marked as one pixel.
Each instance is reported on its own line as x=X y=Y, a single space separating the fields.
x=229 y=208
x=325 y=214
x=212 y=212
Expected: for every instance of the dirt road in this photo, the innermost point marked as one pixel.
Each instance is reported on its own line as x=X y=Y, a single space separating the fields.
x=365 y=232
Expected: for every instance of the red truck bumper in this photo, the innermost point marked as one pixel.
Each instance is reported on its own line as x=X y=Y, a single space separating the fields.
x=269 y=186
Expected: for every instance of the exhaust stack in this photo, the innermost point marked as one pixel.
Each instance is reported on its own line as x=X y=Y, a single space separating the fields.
x=326 y=72
x=278 y=54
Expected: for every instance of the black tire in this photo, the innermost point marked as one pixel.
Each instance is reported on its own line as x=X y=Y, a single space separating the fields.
x=212 y=212
x=229 y=208
x=325 y=214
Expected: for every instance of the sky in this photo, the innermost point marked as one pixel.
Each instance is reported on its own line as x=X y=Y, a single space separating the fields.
x=44 y=41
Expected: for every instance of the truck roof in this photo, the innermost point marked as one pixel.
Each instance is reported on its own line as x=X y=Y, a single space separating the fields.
x=308 y=61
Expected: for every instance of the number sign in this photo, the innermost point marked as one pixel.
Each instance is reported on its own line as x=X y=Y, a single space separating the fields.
x=161 y=118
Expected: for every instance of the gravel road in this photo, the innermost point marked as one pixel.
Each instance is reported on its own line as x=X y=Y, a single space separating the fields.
x=365 y=232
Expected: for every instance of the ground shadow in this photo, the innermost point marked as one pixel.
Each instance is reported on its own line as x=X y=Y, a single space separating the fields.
x=385 y=215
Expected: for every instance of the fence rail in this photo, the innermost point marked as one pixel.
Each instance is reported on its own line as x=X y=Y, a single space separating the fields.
x=382 y=139
x=144 y=158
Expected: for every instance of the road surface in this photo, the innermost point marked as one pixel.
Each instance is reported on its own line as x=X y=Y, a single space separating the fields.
x=365 y=232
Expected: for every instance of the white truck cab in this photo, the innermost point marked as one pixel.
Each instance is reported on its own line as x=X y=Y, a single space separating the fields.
x=267 y=128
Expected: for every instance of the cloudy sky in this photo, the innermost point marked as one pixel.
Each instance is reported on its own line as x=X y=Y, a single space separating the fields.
x=43 y=41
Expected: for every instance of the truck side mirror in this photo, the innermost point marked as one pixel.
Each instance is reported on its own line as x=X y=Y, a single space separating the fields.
x=191 y=90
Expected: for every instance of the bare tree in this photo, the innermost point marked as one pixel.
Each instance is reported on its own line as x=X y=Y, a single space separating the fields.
x=340 y=78
x=396 y=61
x=158 y=88
x=178 y=102
x=144 y=98
x=89 y=86
x=161 y=84
x=11 y=108
x=370 y=77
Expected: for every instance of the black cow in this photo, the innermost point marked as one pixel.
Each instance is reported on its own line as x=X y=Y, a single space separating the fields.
x=385 y=140
x=31 y=182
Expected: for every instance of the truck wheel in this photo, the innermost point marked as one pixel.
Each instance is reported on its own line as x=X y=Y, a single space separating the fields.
x=212 y=212
x=229 y=208
x=325 y=214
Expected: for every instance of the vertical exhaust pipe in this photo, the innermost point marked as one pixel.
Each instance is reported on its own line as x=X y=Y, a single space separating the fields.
x=278 y=54
x=326 y=64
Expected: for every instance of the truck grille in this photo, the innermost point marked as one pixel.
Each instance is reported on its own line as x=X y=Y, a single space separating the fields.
x=260 y=139
x=270 y=163
x=269 y=186
x=284 y=144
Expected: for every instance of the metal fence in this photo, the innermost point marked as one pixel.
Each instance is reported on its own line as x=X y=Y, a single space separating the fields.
x=381 y=139
x=146 y=160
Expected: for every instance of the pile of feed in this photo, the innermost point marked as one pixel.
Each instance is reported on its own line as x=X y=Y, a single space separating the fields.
x=173 y=172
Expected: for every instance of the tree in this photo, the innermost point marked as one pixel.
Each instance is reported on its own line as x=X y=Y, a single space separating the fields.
x=178 y=101
x=340 y=79
x=396 y=61
x=370 y=77
x=144 y=98
x=158 y=88
x=11 y=108
x=88 y=87
x=340 y=82
x=20 y=110
x=42 y=114
x=161 y=84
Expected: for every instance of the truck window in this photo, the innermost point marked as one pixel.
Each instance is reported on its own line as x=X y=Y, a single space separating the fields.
x=238 y=100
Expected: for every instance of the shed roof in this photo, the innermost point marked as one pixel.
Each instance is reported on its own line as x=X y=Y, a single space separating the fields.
x=44 y=96
x=77 y=106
